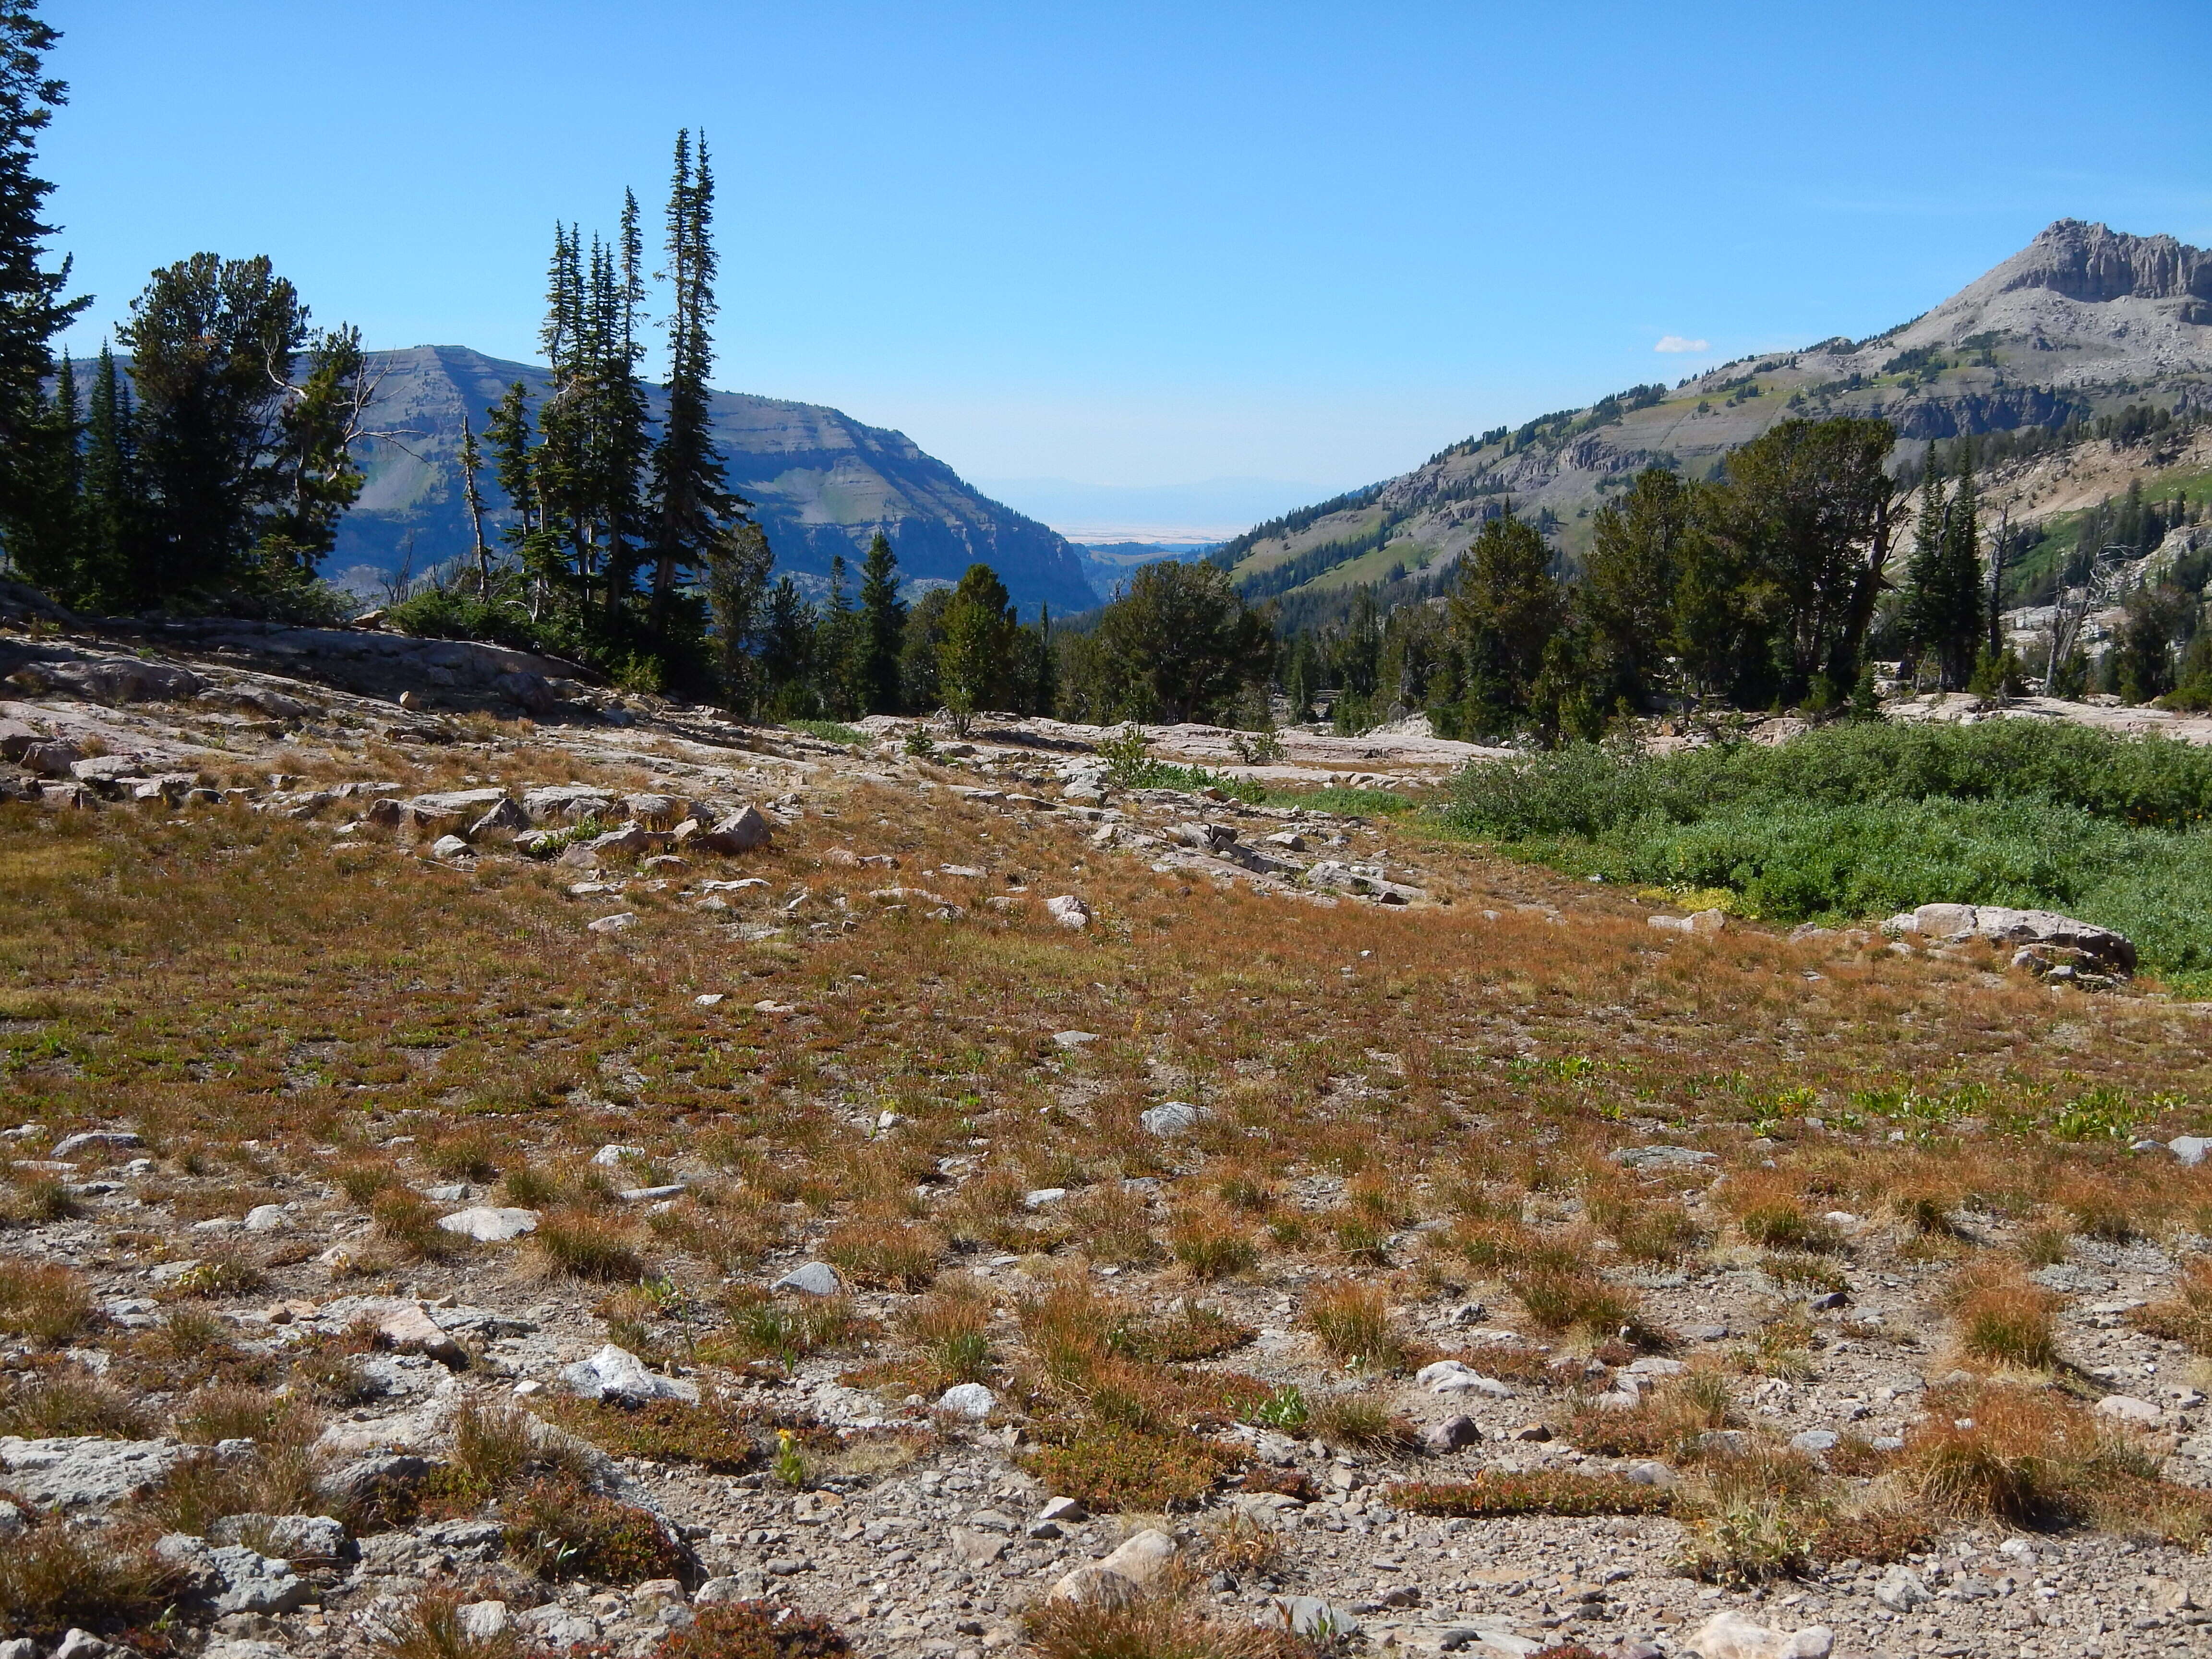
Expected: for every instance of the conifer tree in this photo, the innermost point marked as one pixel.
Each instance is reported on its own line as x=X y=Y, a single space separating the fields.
x=787 y=632
x=979 y=637
x=35 y=455
x=691 y=506
x=111 y=500
x=835 y=648
x=1943 y=579
x=882 y=629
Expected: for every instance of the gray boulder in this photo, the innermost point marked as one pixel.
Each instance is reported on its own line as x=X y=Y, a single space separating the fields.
x=2044 y=930
x=741 y=831
x=232 y=1578
x=810 y=1278
x=294 y=1537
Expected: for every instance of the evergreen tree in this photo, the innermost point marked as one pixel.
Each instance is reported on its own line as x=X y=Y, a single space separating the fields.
x=691 y=503
x=737 y=572
x=38 y=512
x=109 y=514
x=974 y=657
x=918 y=686
x=1943 y=609
x=882 y=629
x=836 y=645
x=787 y=631
x=1504 y=607
x=45 y=532
x=1640 y=553
x=242 y=476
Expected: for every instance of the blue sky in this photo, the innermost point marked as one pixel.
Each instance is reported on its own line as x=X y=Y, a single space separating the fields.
x=1144 y=246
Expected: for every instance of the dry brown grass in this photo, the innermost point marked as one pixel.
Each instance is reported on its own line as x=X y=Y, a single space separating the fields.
x=490 y=1037
x=2002 y=1319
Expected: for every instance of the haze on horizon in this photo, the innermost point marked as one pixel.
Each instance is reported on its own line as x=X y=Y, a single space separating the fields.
x=1156 y=251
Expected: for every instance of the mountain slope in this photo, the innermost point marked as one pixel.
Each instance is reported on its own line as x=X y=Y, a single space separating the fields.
x=822 y=484
x=2083 y=321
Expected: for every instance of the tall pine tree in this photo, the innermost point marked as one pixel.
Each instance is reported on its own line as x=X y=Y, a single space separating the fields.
x=692 y=509
x=882 y=629
x=37 y=510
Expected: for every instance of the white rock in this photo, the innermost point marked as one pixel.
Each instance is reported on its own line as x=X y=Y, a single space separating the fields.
x=78 y=1645
x=1176 y=1118
x=2127 y=1409
x=488 y=1226
x=1043 y=1196
x=710 y=999
x=482 y=1621
x=450 y=847
x=810 y=1278
x=266 y=1219
x=2191 y=1149
x=1063 y=1509
x=69 y=1146
x=607 y=1157
x=1069 y=911
x=969 y=1399
x=1074 y=1039
x=615 y=923
x=617 y=1374
x=410 y=1330
x=1731 y=1636
x=1135 y=1566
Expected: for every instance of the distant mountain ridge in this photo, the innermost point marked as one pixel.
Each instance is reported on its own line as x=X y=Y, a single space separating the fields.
x=822 y=484
x=2082 y=322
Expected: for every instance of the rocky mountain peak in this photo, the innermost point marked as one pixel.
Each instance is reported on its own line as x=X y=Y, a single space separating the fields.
x=2095 y=263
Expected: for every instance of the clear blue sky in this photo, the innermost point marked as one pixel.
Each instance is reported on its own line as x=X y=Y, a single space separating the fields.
x=1145 y=244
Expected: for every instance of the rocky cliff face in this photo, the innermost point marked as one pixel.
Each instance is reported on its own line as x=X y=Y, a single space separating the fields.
x=2095 y=263
x=823 y=484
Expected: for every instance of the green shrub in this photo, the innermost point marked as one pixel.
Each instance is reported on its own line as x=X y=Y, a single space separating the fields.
x=1865 y=820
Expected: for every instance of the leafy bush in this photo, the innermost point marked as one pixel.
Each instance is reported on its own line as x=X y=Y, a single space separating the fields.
x=1866 y=820
x=831 y=732
x=440 y=614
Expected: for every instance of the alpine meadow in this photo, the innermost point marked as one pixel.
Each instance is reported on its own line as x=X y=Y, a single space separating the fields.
x=638 y=1024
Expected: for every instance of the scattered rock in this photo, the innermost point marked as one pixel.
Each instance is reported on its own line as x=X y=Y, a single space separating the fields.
x=233 y=1578
x=410 y=1330
x=1659 y=1158
x=2046 y=929
x=1700 y=923
x=1138 y=1565
x=2126 y=1408
x=2191 y=1149
x=482 y=1621
x=742 y=831
x=267 y=1218
x=106 y=1140
x=1731 y=1636
x=1451 y=1377
x=1309 y=1615
x=613 y=924
x=1176 y=1118
x=1451 y=1435
x=810 y=1278
x=969 y=1399
x=294 y=1537
x=1069 y=911
x=1901 y=1591
x=616 y=1374
x=450 y=847
x=490 y=1226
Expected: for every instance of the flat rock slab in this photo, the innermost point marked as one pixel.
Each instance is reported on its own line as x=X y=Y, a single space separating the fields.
x=487 y=1226
x=82 y=1472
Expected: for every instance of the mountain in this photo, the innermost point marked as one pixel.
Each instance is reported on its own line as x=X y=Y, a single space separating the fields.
x=2084 y=321
x=822 y=484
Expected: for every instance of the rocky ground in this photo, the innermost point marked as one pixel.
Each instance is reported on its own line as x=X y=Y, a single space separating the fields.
x=843 y=1472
